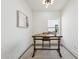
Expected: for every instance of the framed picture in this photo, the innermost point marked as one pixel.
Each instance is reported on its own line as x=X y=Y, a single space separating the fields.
x=22 y=20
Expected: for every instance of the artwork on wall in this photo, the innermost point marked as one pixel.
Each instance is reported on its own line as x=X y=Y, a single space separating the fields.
x=22 y=20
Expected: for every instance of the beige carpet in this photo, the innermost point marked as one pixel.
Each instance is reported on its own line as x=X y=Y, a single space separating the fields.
x=47 y=54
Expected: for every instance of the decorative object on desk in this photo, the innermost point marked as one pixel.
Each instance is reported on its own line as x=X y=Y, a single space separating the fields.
x=22 y=20
x=56 y=29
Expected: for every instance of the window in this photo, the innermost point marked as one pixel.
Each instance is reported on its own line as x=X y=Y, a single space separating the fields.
x=52 y=24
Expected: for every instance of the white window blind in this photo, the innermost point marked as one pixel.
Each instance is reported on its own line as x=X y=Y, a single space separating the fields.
x=51 y=25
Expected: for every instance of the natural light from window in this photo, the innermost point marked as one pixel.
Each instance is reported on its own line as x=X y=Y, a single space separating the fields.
x=51 y=25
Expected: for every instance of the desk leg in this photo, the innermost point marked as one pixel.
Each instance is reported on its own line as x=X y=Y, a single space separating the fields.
x=59 y=48
x=59 y=53
x=33 y=53
x=34 y=49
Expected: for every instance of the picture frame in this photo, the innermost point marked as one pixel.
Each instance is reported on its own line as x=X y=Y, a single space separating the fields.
x=22 y=20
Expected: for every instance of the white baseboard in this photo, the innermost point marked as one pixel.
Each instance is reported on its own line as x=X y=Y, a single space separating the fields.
x=71 y=51
x=25 y=51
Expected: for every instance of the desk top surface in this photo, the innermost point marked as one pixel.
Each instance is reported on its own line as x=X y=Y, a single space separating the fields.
x=46 y=35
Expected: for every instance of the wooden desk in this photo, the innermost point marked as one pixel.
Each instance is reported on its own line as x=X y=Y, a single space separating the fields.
x=50 y=37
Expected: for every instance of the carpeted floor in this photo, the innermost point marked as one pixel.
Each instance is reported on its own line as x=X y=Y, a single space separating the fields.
x=47 y=54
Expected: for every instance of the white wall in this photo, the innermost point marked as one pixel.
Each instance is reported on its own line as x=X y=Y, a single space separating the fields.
x=40 y=20
x=69 y=26
x=14 y=40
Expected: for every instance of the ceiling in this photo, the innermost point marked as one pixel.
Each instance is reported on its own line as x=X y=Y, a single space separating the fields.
x=37 y=5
